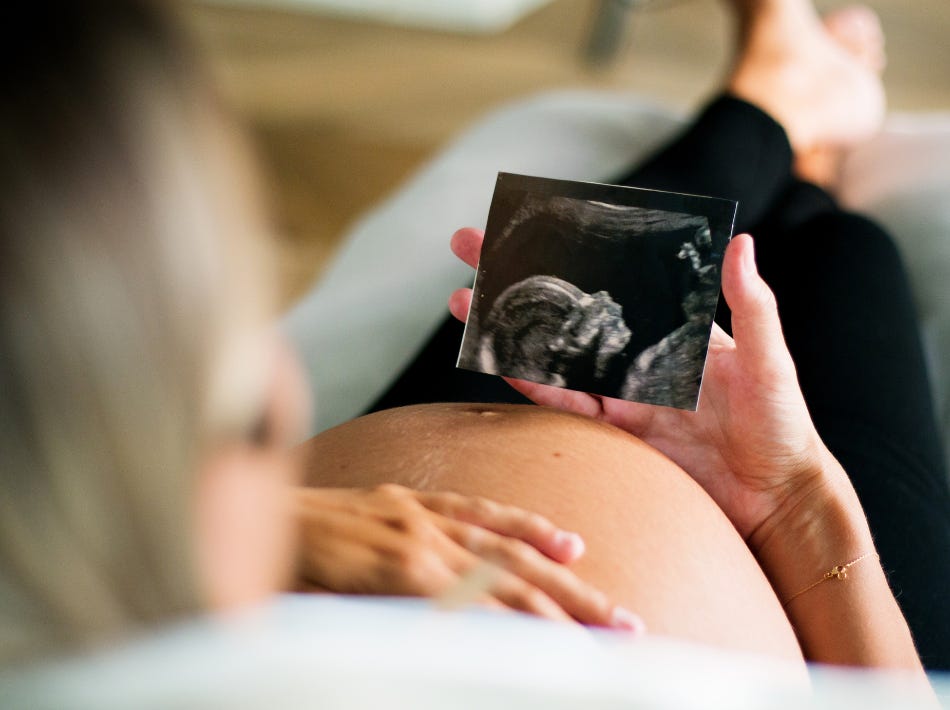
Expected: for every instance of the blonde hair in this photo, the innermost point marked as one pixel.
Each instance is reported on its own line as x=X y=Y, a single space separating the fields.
x=133 y=283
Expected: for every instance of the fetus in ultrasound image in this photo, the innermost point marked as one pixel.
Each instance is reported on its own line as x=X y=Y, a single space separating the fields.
x=548 y=330
x=603 y=289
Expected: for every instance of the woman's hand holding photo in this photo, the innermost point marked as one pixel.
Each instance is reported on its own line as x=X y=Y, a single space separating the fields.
x=751 y=443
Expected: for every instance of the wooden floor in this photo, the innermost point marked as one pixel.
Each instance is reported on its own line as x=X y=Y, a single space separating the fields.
x=343 y=111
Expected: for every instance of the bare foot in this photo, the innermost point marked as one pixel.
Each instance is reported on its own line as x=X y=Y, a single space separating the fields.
x=825 y=92
x=857 y=29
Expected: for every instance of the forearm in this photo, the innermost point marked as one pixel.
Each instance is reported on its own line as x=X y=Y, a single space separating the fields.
x=850 y=618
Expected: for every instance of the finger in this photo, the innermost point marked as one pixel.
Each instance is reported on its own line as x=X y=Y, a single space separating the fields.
x=506 y=520
x=475 y=578
x=459 y=303
x=515 y=593
x=629 y=416
x=756 y=329
x=479 y=579
x=580 y=600
x=466 y=244
x=558 y=397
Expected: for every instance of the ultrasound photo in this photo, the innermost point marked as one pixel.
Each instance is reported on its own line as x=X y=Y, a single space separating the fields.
x=599 y=288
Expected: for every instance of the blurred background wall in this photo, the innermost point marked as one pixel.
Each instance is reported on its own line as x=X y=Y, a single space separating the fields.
x=345 y=98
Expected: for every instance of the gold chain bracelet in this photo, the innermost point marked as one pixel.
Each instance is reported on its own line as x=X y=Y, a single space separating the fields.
x=836 y=572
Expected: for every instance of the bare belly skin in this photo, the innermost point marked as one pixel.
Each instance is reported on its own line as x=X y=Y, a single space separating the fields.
x=655 y=540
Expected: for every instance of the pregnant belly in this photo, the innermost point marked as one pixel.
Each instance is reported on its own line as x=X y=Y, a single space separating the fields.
x=655 y=540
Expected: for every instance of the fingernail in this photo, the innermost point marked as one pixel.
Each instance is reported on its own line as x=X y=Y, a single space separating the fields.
x=628 y=621
x=570 y=542
x=748 y=258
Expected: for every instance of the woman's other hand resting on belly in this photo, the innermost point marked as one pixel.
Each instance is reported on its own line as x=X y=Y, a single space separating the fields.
x=392 y=540
x=752 y=446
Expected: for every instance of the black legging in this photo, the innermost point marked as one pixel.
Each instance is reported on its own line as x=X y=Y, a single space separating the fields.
x=849 y=321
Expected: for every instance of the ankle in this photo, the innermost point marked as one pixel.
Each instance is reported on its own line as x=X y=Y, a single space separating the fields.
x=772 y=18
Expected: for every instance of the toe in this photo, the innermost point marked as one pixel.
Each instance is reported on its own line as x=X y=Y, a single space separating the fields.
x=858 y=30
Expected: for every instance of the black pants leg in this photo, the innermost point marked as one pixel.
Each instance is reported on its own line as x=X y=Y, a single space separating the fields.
x=849 y=321
x=848 y=317
x=733 y=150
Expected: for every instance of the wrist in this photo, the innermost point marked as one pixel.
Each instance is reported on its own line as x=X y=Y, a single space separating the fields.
x=819 y=539
x=820 y=524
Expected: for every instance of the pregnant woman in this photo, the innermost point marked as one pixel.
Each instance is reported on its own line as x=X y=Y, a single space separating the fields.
x=740 y=525
x=144 y=418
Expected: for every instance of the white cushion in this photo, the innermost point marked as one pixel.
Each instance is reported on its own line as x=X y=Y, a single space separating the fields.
x=368 y=653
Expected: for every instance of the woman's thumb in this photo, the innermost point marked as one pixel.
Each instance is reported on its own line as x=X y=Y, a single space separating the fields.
x=756 y=328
